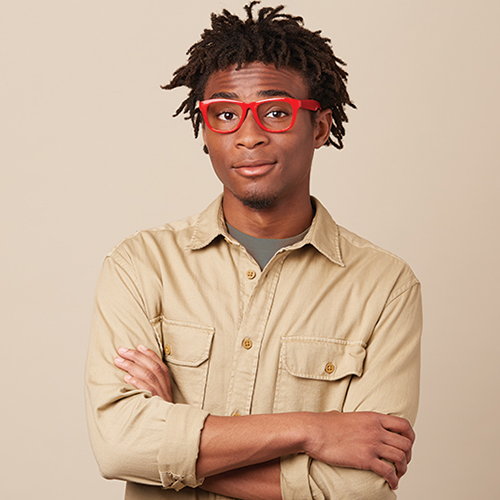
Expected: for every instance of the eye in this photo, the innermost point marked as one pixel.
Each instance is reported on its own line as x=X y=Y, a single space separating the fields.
x=226 y=116
x=277 y=113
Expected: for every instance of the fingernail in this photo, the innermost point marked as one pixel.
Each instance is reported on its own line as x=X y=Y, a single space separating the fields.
x=122 y=350
x=127 y=378
x=142 y=348
x=119 y=360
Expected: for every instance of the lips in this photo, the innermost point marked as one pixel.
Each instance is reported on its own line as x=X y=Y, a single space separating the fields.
x=256 y=162
x=254 y=167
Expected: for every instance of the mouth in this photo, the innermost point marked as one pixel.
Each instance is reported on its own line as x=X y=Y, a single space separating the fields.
x=253 y=168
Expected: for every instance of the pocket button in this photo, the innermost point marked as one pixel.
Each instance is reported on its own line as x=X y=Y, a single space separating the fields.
x=329 y=368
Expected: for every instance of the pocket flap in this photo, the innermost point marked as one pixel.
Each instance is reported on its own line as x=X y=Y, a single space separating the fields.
x=322 y=358
x=186 y=344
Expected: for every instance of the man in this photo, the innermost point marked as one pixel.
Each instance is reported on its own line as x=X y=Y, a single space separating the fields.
x=276 y=351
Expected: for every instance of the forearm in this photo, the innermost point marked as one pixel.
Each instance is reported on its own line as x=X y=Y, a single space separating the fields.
x=229 y=443
x=255 y=482
x=356 y=440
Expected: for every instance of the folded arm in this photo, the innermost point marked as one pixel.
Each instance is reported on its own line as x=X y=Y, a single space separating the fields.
x=236 y=463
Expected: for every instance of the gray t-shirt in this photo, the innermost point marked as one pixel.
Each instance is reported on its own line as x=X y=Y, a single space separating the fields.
x=263 y=249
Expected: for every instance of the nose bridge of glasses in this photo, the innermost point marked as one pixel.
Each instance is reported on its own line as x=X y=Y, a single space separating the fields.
x=250 y=109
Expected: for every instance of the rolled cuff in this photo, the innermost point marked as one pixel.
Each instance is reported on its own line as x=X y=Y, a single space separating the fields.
x=179 y=449
x=295 y=477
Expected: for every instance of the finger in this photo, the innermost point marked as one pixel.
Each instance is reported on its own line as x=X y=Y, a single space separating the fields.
x=151 y=369
x=164 y=368
x=398 y=441
x=394 y=456
x=141 y=385
x=154 y=357
x=387 y=471
x=398 y=425
x=145 y=376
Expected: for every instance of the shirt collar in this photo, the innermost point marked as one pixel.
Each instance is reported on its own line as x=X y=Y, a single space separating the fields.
x=209 y=225
x=322 y=235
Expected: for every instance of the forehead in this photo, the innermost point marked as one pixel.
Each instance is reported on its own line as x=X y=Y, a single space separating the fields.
x=256 y=80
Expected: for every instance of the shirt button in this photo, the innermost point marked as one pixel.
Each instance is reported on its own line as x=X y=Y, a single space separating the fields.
x=251 y=274
x=247 y=344
x=167 y=350
x=236 y=414
x=329 y=368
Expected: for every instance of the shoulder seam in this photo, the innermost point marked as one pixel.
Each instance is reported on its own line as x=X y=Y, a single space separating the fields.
x=402 y=289
x=165 y=227
x=371 y=246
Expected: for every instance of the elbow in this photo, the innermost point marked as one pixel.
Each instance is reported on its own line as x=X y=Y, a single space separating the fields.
x=112 y=463
x=127 y=464
x=119 y=456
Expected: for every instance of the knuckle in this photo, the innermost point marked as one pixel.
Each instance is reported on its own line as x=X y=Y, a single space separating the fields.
x=386 y=471
x=400 y=456
x=156 y=370
x=132 y=354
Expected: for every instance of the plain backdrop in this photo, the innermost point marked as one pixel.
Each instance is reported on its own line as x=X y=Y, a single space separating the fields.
x=90 y=153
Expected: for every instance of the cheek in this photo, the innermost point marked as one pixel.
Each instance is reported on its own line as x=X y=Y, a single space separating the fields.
x=218 y=151
x=299 y=148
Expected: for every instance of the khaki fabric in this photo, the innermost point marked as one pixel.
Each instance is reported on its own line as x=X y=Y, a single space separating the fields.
x=331 y=323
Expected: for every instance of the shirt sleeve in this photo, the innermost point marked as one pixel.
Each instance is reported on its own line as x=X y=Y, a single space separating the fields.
x=389 y=384
x=135 y=436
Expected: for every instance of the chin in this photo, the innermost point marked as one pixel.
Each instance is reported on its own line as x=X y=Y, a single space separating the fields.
x=258 y=202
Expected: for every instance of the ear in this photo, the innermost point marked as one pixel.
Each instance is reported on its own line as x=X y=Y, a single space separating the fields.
x=204 y=135
x=322 y=127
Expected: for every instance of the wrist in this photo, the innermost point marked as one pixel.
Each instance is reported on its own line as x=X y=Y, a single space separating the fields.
x=306 y=430
x=313 y=430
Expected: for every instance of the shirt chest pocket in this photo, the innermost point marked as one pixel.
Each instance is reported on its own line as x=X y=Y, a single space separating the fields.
x=314 y=373
x=186 y=351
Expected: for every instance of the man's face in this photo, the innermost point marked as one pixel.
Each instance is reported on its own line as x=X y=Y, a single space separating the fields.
x=259 y=168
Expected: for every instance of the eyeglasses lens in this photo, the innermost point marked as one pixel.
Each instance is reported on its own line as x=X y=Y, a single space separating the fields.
x=226 y=116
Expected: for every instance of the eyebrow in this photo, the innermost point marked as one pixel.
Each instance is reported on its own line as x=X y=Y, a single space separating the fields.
x=275 y=93
x=224 y=95
x=262 y=93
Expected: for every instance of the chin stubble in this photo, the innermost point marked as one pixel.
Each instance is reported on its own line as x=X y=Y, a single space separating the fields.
x=258 y=203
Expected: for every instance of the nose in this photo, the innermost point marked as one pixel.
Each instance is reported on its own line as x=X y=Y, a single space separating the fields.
x=250 y=134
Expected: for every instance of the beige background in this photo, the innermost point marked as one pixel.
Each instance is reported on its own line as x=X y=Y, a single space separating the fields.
x=90 y=154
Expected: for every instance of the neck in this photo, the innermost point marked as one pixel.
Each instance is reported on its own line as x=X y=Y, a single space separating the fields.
x=280 y=220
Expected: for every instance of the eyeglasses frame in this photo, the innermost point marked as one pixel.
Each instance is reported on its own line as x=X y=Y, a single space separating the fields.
x=296 y=104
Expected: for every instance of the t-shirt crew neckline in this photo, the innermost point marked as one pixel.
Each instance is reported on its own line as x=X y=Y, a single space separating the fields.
x=263 y=249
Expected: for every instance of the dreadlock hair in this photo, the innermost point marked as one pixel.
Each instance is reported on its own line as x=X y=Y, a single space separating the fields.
x=272 y=38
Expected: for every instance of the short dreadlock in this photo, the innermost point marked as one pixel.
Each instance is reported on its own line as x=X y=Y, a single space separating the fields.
x=272 y=38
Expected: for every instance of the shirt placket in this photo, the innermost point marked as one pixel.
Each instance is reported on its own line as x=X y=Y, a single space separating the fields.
x=256 y=294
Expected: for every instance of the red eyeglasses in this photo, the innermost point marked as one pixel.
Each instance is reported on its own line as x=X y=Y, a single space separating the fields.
x=277 y=114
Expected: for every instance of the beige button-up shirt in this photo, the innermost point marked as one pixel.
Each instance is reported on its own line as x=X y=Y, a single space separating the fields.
x=331 y=323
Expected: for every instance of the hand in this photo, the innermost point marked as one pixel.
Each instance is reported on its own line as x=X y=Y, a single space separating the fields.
x=362 y=440
x=145 y=371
